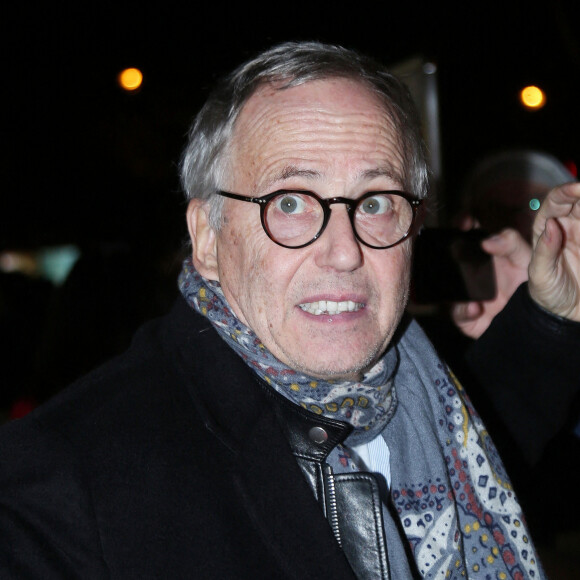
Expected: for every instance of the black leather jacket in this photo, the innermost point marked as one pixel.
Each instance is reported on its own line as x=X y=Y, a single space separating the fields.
x=351 y=502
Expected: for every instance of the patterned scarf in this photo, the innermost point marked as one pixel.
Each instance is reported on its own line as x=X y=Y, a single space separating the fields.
x=449 y=488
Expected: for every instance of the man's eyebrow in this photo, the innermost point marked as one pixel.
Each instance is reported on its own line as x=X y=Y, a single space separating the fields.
x=292 y=171
x=385 y=171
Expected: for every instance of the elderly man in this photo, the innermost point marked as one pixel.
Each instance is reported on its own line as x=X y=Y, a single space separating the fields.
x=286 y=419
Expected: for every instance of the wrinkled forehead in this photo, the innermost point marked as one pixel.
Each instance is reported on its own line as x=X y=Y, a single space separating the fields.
x=318 y=114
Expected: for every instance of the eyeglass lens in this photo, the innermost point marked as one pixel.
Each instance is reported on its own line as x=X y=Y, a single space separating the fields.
x=296 y=218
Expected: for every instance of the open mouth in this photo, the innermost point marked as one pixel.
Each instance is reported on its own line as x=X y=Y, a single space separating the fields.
x=331 y=307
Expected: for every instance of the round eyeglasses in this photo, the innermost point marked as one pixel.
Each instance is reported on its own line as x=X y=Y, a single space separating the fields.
x=294 y=219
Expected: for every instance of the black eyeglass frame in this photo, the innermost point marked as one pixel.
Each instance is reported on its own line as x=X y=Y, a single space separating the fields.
x=325 y=203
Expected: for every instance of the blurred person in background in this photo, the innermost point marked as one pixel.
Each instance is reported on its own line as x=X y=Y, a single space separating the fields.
x=502 y=195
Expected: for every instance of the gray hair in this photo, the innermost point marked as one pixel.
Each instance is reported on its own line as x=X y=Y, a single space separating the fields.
x=204 y=161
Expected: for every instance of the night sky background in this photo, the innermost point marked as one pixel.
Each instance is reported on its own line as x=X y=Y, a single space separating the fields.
x=81 y=161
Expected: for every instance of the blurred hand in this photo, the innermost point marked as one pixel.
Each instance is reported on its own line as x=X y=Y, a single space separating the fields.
x=555 y=266
x=511 y=258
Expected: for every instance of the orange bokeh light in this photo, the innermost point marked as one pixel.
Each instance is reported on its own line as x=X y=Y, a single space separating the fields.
x=532 y=97
x=130 y=79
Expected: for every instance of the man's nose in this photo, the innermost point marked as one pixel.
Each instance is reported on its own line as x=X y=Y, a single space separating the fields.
x=338 y=247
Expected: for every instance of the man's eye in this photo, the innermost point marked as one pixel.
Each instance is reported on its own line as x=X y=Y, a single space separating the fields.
x=291 y=204
x=376 y=205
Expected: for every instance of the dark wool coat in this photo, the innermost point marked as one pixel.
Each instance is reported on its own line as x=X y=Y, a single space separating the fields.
x=167 y=462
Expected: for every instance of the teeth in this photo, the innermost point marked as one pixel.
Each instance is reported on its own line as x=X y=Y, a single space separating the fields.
x=331 y=307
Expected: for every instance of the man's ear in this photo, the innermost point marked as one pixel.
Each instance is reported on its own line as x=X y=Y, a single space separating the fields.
x=203 y=239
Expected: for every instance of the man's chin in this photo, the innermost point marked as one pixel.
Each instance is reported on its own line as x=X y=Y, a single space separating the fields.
x=333 y=369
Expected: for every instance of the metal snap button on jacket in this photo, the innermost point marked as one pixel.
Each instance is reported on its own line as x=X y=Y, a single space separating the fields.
x=318 y=435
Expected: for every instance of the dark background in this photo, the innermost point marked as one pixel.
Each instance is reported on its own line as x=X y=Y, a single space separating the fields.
x=82 y=161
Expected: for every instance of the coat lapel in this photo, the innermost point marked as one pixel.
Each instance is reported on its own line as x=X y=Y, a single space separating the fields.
x=266 y=475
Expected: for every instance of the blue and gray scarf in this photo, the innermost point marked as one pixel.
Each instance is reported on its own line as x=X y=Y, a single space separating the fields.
x=449 y=488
